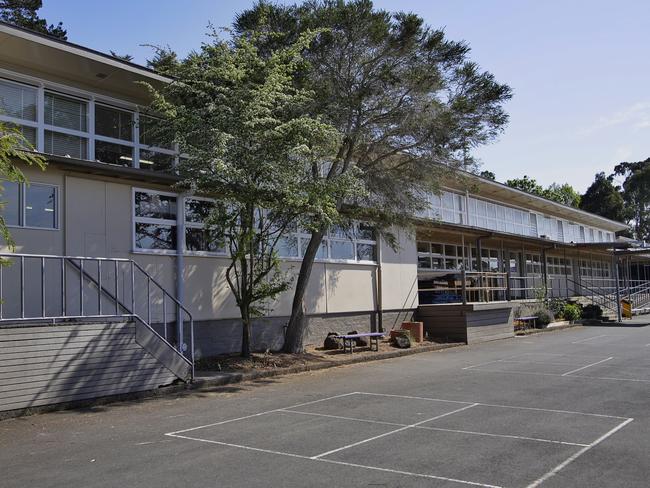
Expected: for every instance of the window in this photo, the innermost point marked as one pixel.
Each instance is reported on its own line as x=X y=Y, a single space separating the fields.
x=433 y=255
x=493 y=216
x=18 y=108
x=65 y=119
x=448 y=207
x=198 y=237
x=533 y=264
x=107 y=152
x=155 y=221
x=355 y=244
x=113 y=123
x=34 y=205
x=11 y=202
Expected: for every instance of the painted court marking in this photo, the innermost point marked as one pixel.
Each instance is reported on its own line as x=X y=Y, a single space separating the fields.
x=581 y=341
x=180 y=434
x=588 y=366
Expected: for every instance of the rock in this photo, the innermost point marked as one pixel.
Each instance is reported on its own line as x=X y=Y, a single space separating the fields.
x=332 y=343
x=359 y=341
x=401 y=341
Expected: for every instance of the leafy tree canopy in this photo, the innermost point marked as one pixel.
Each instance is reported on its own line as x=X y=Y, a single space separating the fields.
x=488 y=175
x=605 y=198
x=636 y=193
x=408 y=102
x=122 y=57
x=561 y=193
x=24 y=13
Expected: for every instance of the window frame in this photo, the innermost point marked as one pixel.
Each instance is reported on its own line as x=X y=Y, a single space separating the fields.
x=22 y=206
x=197 y=225
x=135 y=219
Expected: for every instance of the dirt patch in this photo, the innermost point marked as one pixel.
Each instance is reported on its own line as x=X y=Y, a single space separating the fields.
x=275 y=360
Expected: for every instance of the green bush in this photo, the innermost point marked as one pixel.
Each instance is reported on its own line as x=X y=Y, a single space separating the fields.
x=544 y=317
x=556 y=307
x=571 y=312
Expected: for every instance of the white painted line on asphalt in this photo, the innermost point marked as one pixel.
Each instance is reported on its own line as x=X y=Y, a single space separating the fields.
x=481 y=364
x=354 y=444
x=480 y=404
x=534 y=362
x=506 y=436
x=588 y=366
x=534 y=373
x=423 y=427
x=409 y=473
x=581 y=341
x=342 y=463
x=259 y=414
x=563 y=465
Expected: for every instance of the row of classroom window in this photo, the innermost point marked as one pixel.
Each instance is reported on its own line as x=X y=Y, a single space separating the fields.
x=82 y=128
x=460 y=209
x=451 y=257
x=156 y=215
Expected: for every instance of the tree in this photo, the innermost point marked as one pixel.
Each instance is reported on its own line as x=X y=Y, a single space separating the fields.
x=250 y=146
x=605 y=199
x=529 y=185
x=164 y=60
x=14 y=151
x=24 y=13
x=637 y=195
x=408 y=102
x=489 y=175
x=564 y=193
x=122 y=57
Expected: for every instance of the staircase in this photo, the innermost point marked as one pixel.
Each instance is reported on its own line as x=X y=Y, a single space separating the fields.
x=609 y=315
x=77 y=328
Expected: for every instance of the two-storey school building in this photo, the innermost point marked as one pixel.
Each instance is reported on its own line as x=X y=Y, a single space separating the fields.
x=107 y=199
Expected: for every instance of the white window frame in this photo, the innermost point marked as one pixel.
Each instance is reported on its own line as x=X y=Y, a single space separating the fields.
x=22 y=206
x=91 y=99
x=148 y=220
x=197 y=225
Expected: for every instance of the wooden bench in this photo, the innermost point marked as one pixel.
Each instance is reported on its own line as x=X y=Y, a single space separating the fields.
x=350 y=339
x=524 y=322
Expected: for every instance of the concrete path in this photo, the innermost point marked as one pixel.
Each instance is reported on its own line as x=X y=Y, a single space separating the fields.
x=562 y=409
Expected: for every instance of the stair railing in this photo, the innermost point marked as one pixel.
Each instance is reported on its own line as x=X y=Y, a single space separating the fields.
x=40 y=287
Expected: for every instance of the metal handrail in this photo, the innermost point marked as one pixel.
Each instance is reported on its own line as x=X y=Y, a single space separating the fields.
x=121 y=310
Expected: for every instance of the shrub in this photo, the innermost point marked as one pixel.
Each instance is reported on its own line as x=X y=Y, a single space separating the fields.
x=592 y=312
x=544 y=317
x=571 y=312
x=556 y=307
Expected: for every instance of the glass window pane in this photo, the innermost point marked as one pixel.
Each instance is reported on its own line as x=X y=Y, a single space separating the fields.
x=155 y=161
x=18 y=101
x=366 y=252
x=155 y=206
x=107 y=152
x=197 y=211
x=155 y=236
x=423 y=247
x=287 y=247
x=62 y=111
x=424 y=262
x=10 y=202
x=197 y=239
x=111 y=122
x=365 y=232
x=152 y=132
x=65 y=145
x=436 y=248
x=322 y=250
x=341 y=250
x=40 y=206
x=340 y=232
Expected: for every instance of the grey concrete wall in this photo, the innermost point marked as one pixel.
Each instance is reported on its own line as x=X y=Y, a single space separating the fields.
x=44 y=365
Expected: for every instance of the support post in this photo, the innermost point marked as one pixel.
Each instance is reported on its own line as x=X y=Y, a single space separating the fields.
x=618 y=296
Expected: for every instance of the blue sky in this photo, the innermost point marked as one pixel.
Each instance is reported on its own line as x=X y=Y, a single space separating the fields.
x=579 y=69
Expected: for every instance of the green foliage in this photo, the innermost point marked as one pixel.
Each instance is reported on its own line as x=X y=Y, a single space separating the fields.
x=571 y=312
x=636 y=195
x=564 y=194
x=488 y=175
x=122 y=57
x=557 y=306
x=605 y=199
x=24 y=13
x=544 y=317
x=164 y=60
x=14 y=151
x=252 y=146
x=408 y=103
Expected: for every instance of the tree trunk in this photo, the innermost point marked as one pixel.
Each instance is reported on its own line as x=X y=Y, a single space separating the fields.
x=297 y=322
x=246 y=334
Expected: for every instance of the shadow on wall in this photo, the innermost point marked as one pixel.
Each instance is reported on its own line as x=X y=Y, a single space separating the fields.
x=76 y=362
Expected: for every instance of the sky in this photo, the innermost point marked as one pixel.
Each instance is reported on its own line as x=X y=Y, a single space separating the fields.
x=579 y=69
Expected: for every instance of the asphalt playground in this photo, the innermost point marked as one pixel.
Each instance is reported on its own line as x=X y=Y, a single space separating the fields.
x=561 y=409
